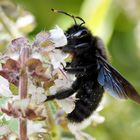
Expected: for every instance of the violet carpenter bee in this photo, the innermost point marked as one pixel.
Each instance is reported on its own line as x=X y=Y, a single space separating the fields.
x=93 y=73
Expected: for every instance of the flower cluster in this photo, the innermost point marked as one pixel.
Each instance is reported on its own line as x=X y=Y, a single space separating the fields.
x=28 y=72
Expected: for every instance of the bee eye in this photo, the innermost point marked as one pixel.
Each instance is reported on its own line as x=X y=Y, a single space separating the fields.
x=84 y=32
x=81 y=33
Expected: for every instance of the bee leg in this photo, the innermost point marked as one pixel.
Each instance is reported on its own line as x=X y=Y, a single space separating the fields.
x=61 y=95
x=82 y=47
x=81 y=69
x=65 y=93
x=75 y=70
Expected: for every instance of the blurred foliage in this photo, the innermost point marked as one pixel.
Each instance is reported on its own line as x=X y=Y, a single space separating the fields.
x=116 y=23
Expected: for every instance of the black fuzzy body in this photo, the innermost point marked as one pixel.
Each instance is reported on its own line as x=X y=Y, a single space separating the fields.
x=93 y=74
x=88 y=93
x=88 y=98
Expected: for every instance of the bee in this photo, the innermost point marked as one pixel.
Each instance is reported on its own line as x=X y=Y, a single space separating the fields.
x=93 y=73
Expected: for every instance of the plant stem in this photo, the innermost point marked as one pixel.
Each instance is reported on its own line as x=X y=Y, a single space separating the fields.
x=23 y=84
x=51 y=124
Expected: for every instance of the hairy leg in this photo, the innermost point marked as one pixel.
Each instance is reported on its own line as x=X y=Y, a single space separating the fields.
x=65 y=93
x=79 y=69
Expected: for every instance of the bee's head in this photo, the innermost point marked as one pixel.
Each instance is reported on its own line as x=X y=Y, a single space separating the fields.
x=77 y=31
x=76 y=34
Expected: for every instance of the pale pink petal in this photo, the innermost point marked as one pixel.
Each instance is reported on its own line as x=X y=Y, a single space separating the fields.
x=4 y=130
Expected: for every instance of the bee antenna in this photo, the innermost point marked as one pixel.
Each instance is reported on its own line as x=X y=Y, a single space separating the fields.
x=83 y=22
x=63 y=12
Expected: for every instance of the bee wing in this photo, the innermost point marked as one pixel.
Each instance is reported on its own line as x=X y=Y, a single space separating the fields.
x=114 y=83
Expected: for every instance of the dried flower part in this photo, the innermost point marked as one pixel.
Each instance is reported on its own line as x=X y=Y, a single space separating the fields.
x=10 y=71
x=25 y=109
x=42 y=40
x=36 y=69
x=47 y=41
x=11 y=136
x=42 y=51
x=33 y=63
x=11 y=65
x=10 y=76
x=16 y=46
x=10 y=111
x=20 y=42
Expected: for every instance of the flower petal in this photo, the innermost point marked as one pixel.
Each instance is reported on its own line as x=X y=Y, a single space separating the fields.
x=35 y=127
x=4 y=130
x=4 y=88
x=58 y=37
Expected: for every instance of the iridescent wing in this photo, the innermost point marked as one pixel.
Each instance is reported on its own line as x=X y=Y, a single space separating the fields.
x=114 y=83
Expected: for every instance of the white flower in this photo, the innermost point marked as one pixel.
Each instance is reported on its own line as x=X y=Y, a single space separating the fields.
x=4 y=130
x=25 y=21
x=58 y=37
x=37 y=55
x=38 y=97
x=34 y=127
x=60 y=84
x=67 y=104
x=38 y=93
x=97 y=118
x=4 y=88
x=57 y=57
x=21 y=104
x=14 y=56
x=79 y=135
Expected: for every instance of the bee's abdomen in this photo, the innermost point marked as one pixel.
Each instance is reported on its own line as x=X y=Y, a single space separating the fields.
x=88 y=100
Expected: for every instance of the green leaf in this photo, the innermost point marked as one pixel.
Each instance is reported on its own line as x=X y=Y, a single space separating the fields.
x=14 y=89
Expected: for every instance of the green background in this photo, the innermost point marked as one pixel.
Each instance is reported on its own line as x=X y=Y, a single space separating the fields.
x=115 y=22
